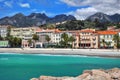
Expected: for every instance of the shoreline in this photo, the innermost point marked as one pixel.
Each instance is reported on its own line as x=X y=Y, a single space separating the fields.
x=115 y=53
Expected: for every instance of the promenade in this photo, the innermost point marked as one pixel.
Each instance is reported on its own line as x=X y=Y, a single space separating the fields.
x=54 y=51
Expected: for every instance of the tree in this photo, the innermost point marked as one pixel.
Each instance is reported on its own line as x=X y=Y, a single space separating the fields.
x=30 y=42
x=51 y=26
x=11 y=40
x=71 y=39
x=103 y=42
x=14 y=41
x=17 y=42
x=35 y=37
x=8 y=31
x=108 y=44
x=1 y=37
x=65 y=40
x=47 y=38
x=116 y=39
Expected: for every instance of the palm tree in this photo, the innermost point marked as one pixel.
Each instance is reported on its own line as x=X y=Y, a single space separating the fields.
x=103 y=42
x=65 y=39
x=30 y=42
x=116 y=39
x=71 y=39
x=11 y=41
x=35 y=37
x=108 y=44
x=1 y=37
x=47 y=38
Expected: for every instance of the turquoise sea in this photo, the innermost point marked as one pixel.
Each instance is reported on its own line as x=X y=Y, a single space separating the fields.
x=25 y=66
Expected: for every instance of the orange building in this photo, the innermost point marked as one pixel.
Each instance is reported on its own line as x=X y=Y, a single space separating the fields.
x=88 y=38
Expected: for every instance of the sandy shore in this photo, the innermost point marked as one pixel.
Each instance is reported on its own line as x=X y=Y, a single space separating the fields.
x=87 y=52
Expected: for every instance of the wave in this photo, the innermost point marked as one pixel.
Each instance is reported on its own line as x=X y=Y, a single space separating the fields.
x=65 y=55
x=57 y=55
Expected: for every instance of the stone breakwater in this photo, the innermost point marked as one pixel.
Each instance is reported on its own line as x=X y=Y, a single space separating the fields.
x=95 y=74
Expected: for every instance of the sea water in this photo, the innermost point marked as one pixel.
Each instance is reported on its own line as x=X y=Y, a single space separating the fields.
x=26 y=66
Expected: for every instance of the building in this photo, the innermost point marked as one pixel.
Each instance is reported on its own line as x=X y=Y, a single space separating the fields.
x=3 y=30
x=75 y=34
x=23 y=33
x=4 y=44
x=54 y=35
x=88 y=38
x=106 y=38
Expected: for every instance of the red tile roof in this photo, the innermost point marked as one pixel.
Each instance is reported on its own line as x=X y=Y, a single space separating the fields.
x=107 y=32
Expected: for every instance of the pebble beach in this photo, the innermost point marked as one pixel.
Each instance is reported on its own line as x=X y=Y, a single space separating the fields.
x=54 y=51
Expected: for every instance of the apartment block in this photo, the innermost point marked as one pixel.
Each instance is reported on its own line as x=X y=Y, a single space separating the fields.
x=54 y=35
x=107 y=37
x=88 y=38
x=23 y=33
x=3 y=30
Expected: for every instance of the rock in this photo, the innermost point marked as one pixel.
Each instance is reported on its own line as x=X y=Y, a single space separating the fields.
x=114 y=73
x=84 y=76
x=95 y=74
x=100 y=75
x=34 y=79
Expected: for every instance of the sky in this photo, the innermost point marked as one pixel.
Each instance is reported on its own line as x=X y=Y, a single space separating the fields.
x=81 y=9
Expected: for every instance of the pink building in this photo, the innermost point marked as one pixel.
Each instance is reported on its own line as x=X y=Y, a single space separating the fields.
x=88 y=38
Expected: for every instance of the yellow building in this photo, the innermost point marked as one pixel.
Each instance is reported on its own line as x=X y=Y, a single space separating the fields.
x=23 y=33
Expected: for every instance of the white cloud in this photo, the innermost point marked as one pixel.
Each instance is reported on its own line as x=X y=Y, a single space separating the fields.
x=81 y=14
x=8 y=4
x=25 y=5
x=106 y=6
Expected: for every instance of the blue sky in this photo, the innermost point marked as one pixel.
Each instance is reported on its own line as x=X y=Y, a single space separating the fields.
x=78 y=8
x=50 y=7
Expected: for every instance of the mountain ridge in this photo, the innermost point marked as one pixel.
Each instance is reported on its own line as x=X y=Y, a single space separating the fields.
x=101 y=17
x=34 y=19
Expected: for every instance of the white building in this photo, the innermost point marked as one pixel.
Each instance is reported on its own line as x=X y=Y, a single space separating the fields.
x=107 y=36
x=54 y=35
x=3 y=30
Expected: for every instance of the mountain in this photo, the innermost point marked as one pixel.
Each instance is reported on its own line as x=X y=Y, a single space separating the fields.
x=34 y=19
x=115 y=18
x=104 y=17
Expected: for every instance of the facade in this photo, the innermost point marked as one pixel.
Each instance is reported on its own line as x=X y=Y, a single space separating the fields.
x=23 y=33
x=54 y=35
x=77 y=39
x=88 y=38
x=75 y=34
x=4 y=44
x=3 y=31
x=107 y=37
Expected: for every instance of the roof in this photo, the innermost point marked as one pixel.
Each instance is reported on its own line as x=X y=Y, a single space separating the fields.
x=38 y=30
x=88 y=30
x=57 y=31
x=48 y=30
x=72 y=31
x=107 y=32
